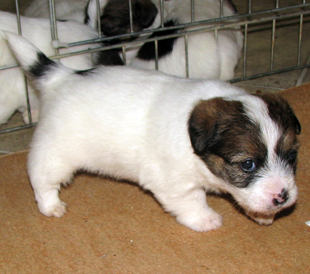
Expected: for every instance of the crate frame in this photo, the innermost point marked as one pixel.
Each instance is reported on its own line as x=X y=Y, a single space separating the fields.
x=299 y=12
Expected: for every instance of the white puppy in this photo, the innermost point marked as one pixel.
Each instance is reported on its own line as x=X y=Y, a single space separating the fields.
x=209 y=56
x=36 y=30
x=64 y=9
x=175 y=137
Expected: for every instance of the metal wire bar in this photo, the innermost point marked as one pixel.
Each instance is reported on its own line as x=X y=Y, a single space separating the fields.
x=186 y=56
x=162 y=13
x=156 y=54
x=19 y=28
x=259 y=75
x=192 y=11
x=273 y=37
x=300 y=39
x=130 y=16
x=8 y=130
x=245 y=49
x=221 y=9
x=124 y=55
x=219 y=23
x=53 y=25
x=99 y=19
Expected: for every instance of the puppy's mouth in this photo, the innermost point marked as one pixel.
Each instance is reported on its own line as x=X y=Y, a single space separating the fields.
x=266 y=203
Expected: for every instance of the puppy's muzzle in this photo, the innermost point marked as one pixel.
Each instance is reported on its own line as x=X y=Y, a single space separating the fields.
x=281 y=198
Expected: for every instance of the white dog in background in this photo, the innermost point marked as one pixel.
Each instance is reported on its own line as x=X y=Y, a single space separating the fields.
x=65 y=9
x=175 y=137
x=209 y=56
x=37 y=30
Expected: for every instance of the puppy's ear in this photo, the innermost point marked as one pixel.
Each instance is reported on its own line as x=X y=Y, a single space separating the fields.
x=208 y=120
x=115 y=19
x=91 y=15
x=145 y=12
x=281 y=112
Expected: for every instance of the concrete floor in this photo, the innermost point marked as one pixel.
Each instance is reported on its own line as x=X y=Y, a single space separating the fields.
x=258 y=60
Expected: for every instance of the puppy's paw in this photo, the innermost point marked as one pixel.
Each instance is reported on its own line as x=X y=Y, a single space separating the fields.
x=55 y=210
x=262 y=219
x=204 y=221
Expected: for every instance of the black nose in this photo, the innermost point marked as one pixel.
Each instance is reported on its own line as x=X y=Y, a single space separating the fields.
x=282 y=198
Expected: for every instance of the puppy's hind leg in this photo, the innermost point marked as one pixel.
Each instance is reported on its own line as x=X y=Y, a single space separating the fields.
x=191 y=210
x=46 y=176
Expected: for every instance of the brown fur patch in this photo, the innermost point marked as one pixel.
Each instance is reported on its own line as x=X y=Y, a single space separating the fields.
x=281 y=112
x=224 y=137
x=283 y=115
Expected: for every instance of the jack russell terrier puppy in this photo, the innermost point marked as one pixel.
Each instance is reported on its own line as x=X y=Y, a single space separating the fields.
x=178 y=138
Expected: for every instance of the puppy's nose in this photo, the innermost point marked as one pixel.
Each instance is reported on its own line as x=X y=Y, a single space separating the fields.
x=282 y=198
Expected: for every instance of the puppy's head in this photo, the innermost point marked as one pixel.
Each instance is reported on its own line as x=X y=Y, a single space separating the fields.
x=115 y=16
x=250 y=145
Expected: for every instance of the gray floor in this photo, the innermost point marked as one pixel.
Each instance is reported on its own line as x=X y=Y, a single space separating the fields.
x=258 y=60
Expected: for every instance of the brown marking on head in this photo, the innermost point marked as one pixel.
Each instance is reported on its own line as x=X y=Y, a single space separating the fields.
x=282 y=114
x=225 y=139
x=115 y=19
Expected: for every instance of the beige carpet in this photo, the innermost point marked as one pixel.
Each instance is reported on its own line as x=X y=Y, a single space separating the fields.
x=117 y=228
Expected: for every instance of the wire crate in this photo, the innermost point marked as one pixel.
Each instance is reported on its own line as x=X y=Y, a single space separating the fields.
x=274 y=41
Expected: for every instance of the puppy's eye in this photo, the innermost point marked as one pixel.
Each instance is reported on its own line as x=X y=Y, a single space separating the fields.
x=291 y=156
x=248 y=165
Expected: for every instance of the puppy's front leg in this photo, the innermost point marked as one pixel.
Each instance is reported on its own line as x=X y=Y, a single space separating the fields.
x=191 y=210
x=49 y=203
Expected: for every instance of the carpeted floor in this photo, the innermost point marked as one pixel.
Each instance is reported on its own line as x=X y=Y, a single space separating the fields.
x=117 y=228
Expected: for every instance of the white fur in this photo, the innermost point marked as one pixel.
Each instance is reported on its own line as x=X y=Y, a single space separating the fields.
x=209 y=57
x=64 y=9
x=36 y=30
x=133 y=124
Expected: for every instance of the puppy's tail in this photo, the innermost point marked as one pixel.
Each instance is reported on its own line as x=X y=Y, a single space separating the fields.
x=40 y=68
x=31 y=59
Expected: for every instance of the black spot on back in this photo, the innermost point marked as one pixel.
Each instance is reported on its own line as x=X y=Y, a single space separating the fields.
x=109 y=58
x=41 y=66
x=86 y=19
x=232 y=5
x=84 y=72
x=165 y=46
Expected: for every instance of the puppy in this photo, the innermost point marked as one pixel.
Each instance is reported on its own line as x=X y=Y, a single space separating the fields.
x=208 y=56
x=175 y=137
x=114 y=14
x=37 y=30
x=114 y=21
